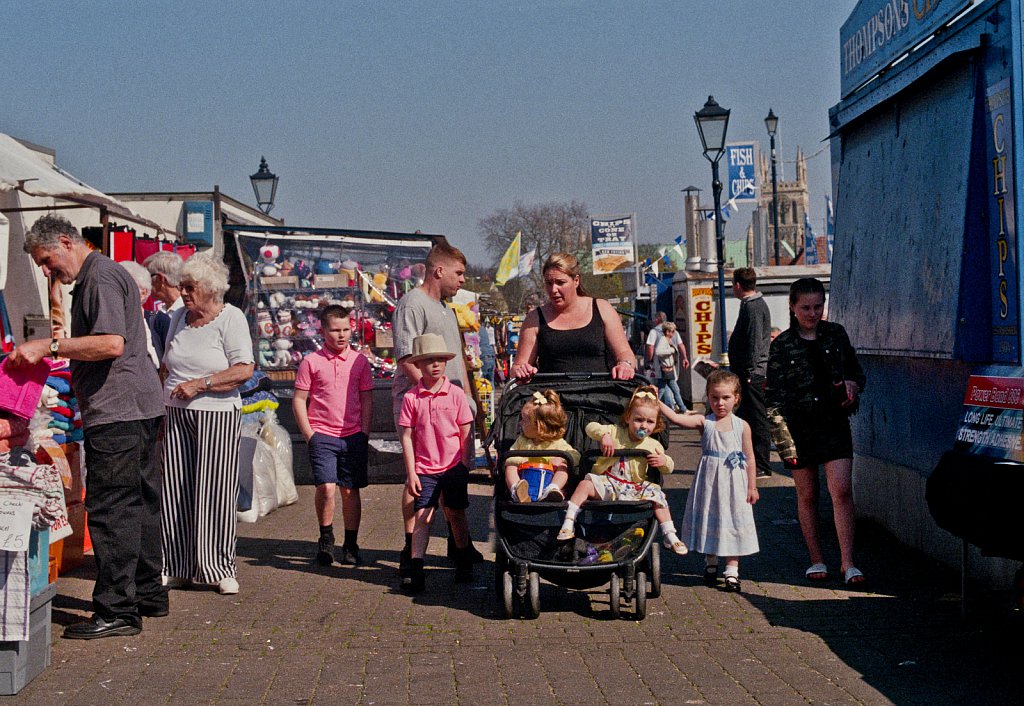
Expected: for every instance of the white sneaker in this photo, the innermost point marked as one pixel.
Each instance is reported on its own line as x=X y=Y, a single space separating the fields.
x=228 y=586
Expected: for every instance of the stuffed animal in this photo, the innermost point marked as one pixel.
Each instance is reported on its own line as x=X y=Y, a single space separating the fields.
x=348 y=271
x=282 y=355
x=284 y=327
x=264 y=324
x=419 y=273
x=302 y=270
x=286 y=267
x=380 y=283
x=266 y=357
x=269 y=255
x=277 y=300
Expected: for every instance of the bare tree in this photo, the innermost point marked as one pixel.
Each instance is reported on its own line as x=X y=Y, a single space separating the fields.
x=548 y=228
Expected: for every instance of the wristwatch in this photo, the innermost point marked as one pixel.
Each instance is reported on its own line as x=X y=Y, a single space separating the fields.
x=54 y=348
x=209 y=382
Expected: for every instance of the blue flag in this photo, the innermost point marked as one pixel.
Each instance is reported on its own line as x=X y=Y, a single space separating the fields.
x=810 y=244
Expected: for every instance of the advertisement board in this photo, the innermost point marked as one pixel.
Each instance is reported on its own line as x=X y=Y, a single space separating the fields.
x=993 y=416
x=740 y=160
x=612 y=240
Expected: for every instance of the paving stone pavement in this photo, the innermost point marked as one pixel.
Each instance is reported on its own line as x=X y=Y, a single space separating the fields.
x=298 y=633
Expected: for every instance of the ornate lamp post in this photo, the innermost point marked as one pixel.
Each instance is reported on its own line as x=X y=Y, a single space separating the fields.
x=772 y=123
x=264 y=184
x=712 y=122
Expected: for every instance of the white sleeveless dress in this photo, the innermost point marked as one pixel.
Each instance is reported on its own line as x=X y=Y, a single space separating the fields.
x=718 y=518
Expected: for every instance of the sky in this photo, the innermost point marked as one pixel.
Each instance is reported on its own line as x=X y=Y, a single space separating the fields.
x=411 y=115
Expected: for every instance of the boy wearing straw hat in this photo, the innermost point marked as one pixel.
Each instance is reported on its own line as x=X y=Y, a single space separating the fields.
x=435 y=427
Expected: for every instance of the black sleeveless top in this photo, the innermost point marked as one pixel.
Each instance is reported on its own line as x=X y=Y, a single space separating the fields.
x=575 y=350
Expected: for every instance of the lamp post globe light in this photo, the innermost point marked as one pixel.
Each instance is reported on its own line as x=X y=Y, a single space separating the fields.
x=712 y=123
x=772 y=123
x=264 y=184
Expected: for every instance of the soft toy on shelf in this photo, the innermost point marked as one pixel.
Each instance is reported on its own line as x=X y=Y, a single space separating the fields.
x=302 y=270
x=282 y=353
x=284 y=327
x=286 y=267
x=419 y=273
x=277 y=300
x=264 y=353
x=269 y=255
x=380 y=283
x=348 y=271
x=264 y=324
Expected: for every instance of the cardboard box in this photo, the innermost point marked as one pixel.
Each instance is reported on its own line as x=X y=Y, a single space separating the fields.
x=331 y=281
x=384 y=339
x=279 y=282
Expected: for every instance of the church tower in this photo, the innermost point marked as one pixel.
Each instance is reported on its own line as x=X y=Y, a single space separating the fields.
x=793 y=204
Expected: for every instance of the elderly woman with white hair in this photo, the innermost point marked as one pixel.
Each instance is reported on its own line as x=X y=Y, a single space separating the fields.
x=142 y=279
x=208 y=355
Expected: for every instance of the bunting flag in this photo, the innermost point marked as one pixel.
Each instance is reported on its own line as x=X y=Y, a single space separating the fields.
x=526 y=263
x=810 y=245
x=509 y=265
x=830 y=227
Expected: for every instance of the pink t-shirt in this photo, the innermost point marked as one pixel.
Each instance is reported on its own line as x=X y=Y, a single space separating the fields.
x=435 y=419
x=334 y=382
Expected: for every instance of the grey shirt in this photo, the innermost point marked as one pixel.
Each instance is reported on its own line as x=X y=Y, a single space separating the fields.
x=105 y=301
x=418 y=313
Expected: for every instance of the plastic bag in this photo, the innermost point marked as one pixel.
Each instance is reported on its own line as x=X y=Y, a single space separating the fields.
x=277 y=438
x=257 y=478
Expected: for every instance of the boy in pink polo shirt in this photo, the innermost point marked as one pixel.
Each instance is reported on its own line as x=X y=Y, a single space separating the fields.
x=435 y=424
x=332 y=406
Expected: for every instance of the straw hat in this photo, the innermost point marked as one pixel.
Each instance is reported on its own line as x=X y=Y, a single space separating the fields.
x=429 y=345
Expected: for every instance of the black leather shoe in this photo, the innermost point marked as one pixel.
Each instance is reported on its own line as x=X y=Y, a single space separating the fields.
x=764 y=474
x=153 y=611
x=325 y=550
x=98 y=627
x=350 y=555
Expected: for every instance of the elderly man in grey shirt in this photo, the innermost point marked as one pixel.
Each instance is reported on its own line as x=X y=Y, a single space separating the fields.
x=119 y=395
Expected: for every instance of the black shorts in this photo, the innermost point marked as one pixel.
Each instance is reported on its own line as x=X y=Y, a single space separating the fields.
x=821 y=438
x=454 y=483
x=339 y=460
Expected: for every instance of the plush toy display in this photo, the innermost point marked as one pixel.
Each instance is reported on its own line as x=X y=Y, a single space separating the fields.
x=302 y=270
x=264 y=324
x=284 y=325
x=380 y=283
x=264 y=354
x=282 y=354
x=286 y=267
x=268 y=256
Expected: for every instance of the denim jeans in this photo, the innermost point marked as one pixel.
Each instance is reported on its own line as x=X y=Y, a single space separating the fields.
x=668 y=392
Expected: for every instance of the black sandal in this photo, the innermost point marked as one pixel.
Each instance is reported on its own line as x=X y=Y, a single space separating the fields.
x=732 y=584
x=710 y=574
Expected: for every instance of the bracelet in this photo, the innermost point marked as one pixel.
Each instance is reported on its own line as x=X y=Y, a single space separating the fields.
x=630 y=363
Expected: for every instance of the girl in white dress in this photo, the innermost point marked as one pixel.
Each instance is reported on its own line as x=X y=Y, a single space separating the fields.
x=719 y=519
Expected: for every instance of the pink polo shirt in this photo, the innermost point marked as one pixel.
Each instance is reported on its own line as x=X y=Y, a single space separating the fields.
x=435 y=419
x=334 y=382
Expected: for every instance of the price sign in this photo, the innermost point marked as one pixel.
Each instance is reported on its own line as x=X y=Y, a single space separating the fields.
x=15 y=524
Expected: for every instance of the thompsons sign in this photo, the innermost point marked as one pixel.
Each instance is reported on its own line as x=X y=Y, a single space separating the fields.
x=878 y=32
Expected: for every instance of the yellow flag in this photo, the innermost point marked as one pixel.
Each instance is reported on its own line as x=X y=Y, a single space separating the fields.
x=509 y=265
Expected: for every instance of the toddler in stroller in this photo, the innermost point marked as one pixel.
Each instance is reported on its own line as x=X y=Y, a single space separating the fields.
x=628 y=478
x=542 y=428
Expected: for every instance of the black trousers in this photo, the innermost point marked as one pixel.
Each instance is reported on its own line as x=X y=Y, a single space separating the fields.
x=122 y=497
x=752 y=410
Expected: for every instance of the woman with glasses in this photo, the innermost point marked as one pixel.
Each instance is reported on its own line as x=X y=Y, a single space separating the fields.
x=207 y=356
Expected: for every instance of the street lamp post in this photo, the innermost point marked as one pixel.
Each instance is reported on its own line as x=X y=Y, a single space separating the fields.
x=712 y=123
x=264 y=184
x=772 y=123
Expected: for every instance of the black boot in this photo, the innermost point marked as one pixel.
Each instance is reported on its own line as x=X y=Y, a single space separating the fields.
x=463 y=566
x=414 y=580
x=325 y=549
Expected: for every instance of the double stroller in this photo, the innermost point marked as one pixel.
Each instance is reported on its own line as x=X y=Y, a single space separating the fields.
x=614 y=541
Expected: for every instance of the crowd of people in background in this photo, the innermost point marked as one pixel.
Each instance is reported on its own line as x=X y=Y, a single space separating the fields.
x=161 y=412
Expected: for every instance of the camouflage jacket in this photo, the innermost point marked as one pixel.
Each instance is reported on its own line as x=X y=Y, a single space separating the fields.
x=789 y=392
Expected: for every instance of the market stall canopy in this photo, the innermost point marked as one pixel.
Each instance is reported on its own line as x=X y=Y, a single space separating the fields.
x=25 y=171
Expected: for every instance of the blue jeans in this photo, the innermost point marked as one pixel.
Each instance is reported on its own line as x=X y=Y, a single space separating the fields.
x=668 y=392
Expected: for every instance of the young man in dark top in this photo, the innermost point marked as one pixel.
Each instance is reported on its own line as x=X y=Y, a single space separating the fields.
x=748 y=358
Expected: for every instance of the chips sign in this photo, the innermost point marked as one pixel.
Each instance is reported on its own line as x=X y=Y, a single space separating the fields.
x=993 y=417
x=611 y=243
x=740 y=160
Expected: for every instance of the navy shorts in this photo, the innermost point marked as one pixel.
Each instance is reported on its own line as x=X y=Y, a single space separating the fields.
x=339 y=460
x=454 y=483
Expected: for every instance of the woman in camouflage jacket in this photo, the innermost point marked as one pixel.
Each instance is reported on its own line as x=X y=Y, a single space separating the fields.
x=813 y=385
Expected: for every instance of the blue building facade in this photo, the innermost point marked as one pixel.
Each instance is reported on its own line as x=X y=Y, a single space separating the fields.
x=926 y=269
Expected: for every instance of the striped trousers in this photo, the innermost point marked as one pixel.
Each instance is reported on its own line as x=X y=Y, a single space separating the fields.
x=200 y=494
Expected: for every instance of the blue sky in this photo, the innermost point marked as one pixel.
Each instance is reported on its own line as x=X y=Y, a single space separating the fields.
x=406 y=115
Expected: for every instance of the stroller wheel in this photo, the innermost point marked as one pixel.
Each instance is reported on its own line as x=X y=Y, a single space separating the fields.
x=640 y=611
x=654 y=586
x=508 y=595
x=533 y=605
x=614 y=596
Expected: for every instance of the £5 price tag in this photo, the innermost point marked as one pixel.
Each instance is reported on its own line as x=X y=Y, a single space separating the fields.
x=15 y=524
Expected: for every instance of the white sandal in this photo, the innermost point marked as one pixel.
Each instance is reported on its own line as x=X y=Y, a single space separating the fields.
x=565 y=534
x=678 y=547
